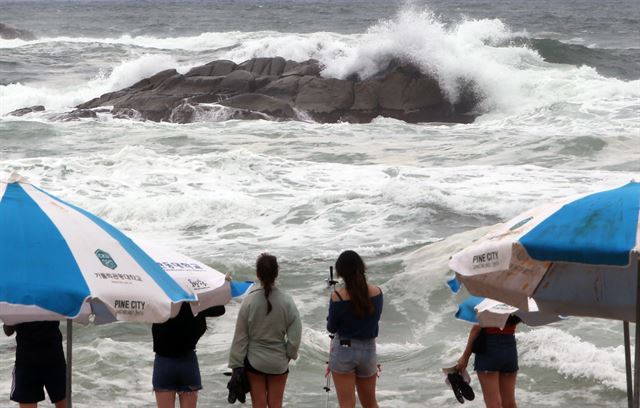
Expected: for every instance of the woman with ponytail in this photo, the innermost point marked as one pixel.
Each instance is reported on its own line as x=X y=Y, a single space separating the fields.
x=267 y=336
x=354 y=313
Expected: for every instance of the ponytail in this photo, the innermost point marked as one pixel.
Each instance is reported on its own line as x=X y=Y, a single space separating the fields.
x=267 y=272
x=351 y=269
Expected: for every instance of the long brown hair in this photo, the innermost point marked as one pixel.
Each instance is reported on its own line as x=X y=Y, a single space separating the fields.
x=267 y=272
x=350 y=267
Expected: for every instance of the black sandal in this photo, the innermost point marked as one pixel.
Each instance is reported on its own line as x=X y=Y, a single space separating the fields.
x=460 y=387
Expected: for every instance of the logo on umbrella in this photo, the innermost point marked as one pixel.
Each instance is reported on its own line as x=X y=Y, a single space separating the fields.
x=106 y=259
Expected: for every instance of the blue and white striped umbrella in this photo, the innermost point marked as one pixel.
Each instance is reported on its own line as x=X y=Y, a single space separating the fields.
x=58 y=261
x=574 y=257
x=491 y=313
x=487 y=312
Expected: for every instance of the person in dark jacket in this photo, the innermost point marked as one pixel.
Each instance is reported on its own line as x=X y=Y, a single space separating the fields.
x=175 y=368
x=40 y=364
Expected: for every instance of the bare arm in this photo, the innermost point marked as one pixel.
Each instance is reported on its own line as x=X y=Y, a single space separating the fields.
x=464 y=360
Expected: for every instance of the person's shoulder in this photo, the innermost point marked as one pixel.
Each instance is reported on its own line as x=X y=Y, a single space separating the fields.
x=340 y=295
x=253 y=293
x=374 y=290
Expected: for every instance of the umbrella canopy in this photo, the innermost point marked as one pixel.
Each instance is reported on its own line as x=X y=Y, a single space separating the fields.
x=491 y=313
x=487 y=312
x=575 y=257
x=60 y=261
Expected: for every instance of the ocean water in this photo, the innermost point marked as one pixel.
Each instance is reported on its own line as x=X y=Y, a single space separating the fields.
x=561 y=115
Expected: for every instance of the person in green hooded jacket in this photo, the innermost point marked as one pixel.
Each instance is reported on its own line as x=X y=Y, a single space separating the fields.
x=267 y=336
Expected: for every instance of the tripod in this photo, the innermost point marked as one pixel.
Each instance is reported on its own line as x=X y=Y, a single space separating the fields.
x=331 y=285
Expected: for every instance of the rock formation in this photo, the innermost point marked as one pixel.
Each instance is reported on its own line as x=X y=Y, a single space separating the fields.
x=277 y=89
x=24 y=111
x=11 y=33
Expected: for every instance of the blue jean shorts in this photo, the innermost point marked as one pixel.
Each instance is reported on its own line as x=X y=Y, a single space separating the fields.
x=178 y=374
x=501 y=355
x=353 y=356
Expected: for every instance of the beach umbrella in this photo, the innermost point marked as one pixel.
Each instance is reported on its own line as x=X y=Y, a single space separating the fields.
x=578 y=256
x=487 y=312
x=61 y=262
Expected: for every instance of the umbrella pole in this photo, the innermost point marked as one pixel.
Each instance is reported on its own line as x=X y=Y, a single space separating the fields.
x=69 y=359
x=636 y=378
x=627 y=363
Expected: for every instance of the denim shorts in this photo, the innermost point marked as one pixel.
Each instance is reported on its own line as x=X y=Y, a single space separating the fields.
x=501 y=355
x=358 y=357
x=178 y=374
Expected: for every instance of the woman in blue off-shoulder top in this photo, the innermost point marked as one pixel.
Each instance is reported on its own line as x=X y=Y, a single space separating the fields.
x=354 y=313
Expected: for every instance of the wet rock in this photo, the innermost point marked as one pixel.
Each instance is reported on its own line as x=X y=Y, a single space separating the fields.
x=272 y=107
x=24 y=111
x=11 y=33
x=279 y=89
x=325 y=95
x=76 y=114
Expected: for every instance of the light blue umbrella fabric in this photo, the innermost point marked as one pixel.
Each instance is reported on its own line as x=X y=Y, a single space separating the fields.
x=466 y=309
x=599 y=229
x=239 y=288
x=454 y=284
x=39 y=268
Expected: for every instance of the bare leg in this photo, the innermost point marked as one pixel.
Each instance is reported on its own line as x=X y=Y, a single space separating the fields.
x=345 y=385
x=258 y=384
x=275 y=390
x=61 y=404
x=21 y=405
x=367 y=391
x=166 y=399
x=508 y=389
x=188 y=399
x=490 y=384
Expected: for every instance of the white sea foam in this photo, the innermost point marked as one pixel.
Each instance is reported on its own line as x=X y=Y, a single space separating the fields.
x=240 y=197
x=572 y=357
x=123 y=74
x=204 y=41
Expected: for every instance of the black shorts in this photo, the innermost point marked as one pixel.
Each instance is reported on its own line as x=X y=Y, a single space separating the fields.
x=176 y=374
x=251 y=369
x=29 y=381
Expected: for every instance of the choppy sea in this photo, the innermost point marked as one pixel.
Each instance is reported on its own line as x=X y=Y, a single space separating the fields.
x=561 y=115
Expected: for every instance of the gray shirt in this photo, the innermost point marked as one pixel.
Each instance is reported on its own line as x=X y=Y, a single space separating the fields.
x=269 y=341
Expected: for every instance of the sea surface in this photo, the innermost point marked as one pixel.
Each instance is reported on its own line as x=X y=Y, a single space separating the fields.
x=561 y=81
